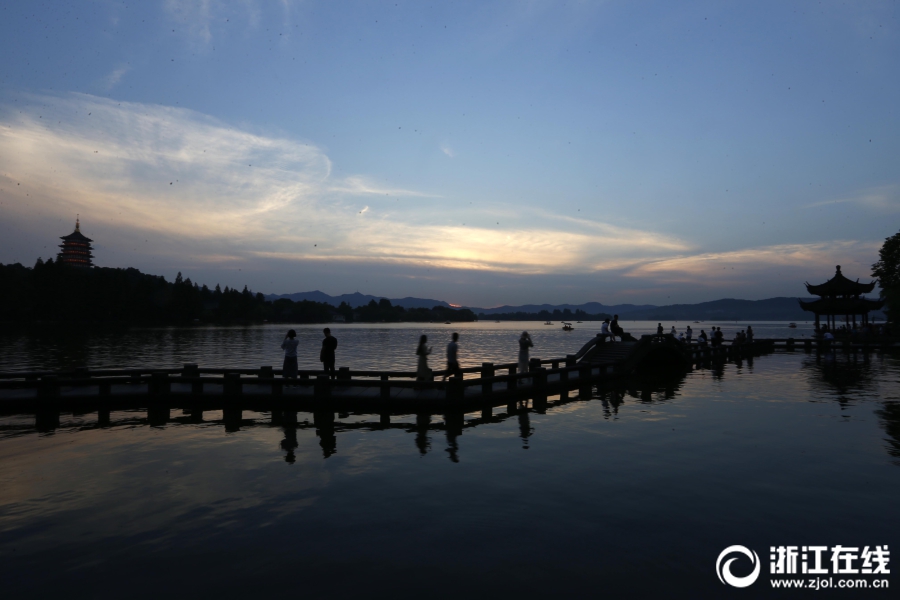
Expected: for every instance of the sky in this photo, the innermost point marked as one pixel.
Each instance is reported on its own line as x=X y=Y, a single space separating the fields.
x=481 y=153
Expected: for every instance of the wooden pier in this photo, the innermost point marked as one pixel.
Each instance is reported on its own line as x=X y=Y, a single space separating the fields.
x=488 y=384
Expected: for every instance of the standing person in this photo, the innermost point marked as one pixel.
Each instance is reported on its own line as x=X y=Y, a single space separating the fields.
x=749 y=333
x=659 y=329
x=453 y=357
x=614 y=328
x=423 y=373
x=688 y=334
x=719 y=337
x=673 y=332
x=326 y=355
x=524 y=344
x=289 y=345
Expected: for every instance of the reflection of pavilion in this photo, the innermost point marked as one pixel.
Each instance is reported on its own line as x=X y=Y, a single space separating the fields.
x=838 y=297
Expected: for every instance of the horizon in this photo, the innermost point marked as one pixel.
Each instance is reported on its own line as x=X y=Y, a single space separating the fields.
x=555 y=153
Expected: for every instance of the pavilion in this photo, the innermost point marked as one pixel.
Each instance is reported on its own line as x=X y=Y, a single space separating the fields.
x=840 y=297
x=75 y=249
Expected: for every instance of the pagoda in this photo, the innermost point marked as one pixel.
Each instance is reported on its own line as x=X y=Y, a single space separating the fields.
x=839 y=297
x=75 y=249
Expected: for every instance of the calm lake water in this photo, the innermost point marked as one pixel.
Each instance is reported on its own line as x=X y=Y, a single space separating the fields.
x=631 y=492
x=360 y=346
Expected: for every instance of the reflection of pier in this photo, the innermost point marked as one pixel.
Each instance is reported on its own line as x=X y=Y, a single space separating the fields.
x=425 y=426
x=597 y=361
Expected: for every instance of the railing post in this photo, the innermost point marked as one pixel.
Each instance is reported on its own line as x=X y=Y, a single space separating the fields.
x=534 y=363
x=266 y=372
x=49 y=387
x=570 y=360
x=159 y=384
x=512 y=383
x=190 y=370
x=487 y=372
x=455 y=387
x=343 y=373
x=322 y=388
x=385 y=387
x=790 y=344
x=584 y=380
x=539 y=376
x=233 y=385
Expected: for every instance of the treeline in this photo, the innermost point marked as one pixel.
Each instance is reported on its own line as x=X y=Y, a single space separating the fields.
x=52 y=292
x=545 y=315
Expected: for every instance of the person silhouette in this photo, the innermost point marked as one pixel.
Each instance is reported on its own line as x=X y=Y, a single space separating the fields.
x=453 y=357
x=289 y=345
x=326 y=355
x=423 y=373
x=524 y=344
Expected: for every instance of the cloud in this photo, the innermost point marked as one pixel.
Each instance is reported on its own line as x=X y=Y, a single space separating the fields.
x=113 y=79
x=814 y=261
x=448 y=150
x=229 y=192
x=883 y=199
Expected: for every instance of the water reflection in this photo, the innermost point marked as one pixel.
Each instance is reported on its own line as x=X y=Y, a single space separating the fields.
x=847 y=373
x=848 y=378
x=657 y=386
x=889 y=417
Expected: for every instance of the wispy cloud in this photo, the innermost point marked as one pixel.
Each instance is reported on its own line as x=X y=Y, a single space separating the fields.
x=232 y=194
x=726 y=269
x=884 y=198
x=180 y=175
x=113 y=79
x=448 y=150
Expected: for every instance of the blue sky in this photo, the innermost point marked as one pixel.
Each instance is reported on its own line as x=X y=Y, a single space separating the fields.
x=481 y=153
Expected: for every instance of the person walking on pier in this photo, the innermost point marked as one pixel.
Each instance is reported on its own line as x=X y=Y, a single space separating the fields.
x=524 y=344
x=453 y=357
x=423 y=373
x=289 y=345
x=326 y=355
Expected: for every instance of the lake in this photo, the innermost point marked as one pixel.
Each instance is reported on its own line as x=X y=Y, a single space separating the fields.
x=632 y=491
x=361 y=346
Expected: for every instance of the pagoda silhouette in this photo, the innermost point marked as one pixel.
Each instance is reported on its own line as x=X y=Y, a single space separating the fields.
x=840 y=297
x=76 y=248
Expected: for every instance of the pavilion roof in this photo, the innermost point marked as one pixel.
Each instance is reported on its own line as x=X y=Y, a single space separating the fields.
x=841 y=306
x=840 y=286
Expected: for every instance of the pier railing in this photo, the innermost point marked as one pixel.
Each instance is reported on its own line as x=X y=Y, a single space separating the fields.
x=476 y=383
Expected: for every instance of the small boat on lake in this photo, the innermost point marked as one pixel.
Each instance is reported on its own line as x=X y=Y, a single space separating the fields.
x=792 y=325
x=567 y=326
x=548 y=323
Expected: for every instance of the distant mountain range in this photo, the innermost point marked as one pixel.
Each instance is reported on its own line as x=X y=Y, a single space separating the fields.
x=591 y=308
x=356 y=299
x=726 y=309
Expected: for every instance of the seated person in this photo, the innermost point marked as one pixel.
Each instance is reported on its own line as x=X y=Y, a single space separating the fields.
x=604 y=330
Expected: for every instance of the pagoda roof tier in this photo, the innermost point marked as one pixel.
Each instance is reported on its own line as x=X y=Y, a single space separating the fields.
x=840 y=286
x=841 y=306
x=76 y=236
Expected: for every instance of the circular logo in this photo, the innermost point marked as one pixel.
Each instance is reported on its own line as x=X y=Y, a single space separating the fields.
x=724 y=570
